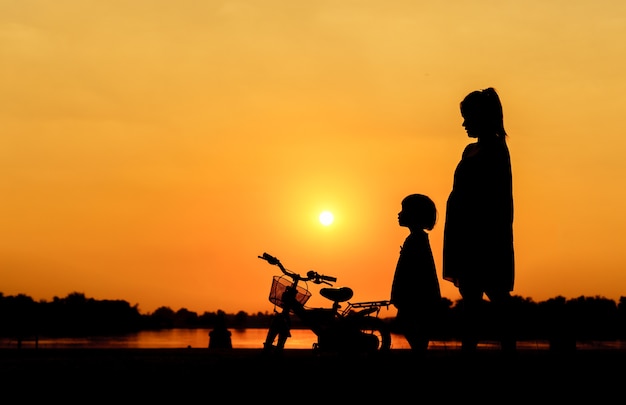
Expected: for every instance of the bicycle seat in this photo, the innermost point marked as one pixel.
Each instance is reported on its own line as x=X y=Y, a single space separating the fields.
x=340 y=294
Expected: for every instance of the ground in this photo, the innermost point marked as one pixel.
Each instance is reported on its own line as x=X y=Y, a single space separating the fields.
x=127 y=375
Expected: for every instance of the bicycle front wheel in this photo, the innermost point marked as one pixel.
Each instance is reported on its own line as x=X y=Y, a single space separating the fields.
x=279 y=331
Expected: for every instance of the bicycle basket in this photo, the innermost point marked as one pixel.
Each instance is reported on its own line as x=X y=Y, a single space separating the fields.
x=280 y=285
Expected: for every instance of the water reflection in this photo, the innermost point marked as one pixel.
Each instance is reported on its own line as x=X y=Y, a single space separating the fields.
x=243 y=339
x=178 y=338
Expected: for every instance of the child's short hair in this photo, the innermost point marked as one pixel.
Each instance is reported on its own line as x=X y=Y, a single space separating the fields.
x=422 y=208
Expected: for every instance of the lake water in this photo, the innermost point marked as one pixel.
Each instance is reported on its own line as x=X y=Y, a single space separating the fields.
x=244 y=339
x=179 y=338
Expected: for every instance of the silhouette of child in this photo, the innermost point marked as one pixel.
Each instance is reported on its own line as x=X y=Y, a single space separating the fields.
x=415 y=289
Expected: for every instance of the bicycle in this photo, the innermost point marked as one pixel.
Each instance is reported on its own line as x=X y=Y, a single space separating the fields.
x=356 y=328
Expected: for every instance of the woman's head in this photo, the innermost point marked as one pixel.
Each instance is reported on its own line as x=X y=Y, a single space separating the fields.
x=418 y=211
x=482 y=114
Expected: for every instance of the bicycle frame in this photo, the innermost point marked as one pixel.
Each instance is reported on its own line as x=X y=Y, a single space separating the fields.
x=355 y=328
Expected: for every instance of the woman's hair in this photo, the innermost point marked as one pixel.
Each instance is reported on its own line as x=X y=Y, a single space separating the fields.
x=422 y=208
x=486 y=104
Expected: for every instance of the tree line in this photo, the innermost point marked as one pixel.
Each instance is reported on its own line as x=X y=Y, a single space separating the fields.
x=557 y=319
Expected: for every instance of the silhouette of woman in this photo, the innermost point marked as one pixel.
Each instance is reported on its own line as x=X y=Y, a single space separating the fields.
x=478 y=254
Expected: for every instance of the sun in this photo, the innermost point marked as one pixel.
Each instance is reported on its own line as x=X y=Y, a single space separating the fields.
x=326 y=218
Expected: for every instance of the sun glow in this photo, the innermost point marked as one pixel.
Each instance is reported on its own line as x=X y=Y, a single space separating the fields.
x=326 y=218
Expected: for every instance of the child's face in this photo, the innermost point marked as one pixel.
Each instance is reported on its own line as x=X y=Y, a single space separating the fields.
x=404 y=217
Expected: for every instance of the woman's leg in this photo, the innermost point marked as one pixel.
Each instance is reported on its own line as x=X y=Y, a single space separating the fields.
x=504 y=318
x=470 y=316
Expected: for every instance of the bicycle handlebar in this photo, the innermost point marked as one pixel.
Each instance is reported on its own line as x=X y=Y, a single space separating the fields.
x=320 y=278
x=310 y=275
x=270 y=259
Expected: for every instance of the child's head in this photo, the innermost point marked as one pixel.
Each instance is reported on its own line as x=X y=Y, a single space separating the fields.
x=418 y=211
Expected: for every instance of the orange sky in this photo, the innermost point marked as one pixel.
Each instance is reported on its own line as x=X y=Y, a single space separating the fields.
x=150 y=150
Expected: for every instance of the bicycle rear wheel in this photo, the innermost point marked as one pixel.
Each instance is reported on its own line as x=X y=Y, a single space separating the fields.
x=377 y=333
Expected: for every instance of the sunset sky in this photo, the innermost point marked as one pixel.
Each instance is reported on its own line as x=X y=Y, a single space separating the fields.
x=151 y=150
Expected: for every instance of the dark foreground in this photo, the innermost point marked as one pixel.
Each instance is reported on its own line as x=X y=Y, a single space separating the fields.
x=299 y=376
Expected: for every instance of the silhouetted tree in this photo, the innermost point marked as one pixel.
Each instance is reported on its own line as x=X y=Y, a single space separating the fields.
x=557 y=324
x=18 y=317
x=162 y=318
x=594 y=318
x=560 y=321
x=526 y=314
x=241 y=319
x=185 y=319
